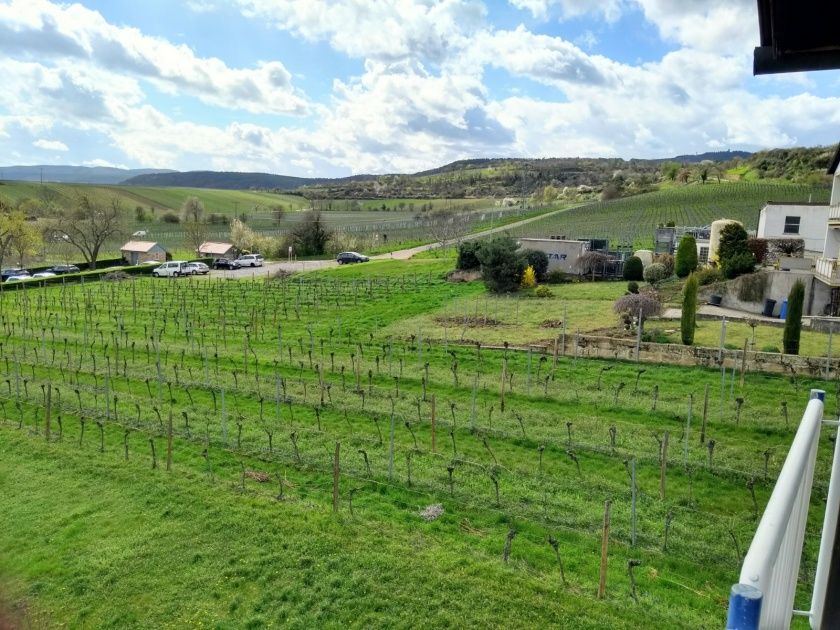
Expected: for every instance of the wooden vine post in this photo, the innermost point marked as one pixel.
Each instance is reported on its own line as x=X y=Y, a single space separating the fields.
x=663 y=466
x=605 y=542
x=169 y=442
x=48 y=411
x=336 y=470
x=434 y=426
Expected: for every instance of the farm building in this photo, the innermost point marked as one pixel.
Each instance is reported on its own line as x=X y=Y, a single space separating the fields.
x=136 y=252
x=562 y=255
x=210 y=249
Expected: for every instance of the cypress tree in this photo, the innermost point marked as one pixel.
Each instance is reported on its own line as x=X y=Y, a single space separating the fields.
x=793 y=320
x=688 y=319
x=686 y=261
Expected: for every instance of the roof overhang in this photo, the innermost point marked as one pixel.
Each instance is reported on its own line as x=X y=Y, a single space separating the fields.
x=797 y=35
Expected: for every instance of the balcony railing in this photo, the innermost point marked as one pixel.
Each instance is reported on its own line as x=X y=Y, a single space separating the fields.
x=828 y=270
x=834 y=213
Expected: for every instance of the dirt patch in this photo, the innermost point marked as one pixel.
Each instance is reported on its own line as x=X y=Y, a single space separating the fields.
x=463 y=276
x=552 y=323
x=469 y=322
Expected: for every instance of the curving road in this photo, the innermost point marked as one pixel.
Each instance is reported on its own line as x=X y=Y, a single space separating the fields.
x=400 y=254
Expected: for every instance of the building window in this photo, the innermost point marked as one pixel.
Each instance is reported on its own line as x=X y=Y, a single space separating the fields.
x=792 y=225
x=703 y=256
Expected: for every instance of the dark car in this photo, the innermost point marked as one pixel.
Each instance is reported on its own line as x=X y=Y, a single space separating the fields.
x=226 y=263
x=345 y=258
x=60 y=270
x=5 y=274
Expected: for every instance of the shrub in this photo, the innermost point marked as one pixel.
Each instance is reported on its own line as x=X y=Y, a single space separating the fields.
x=216 y=218
x=631 y=303
x=529 y=278
x=556 y=276
x=737 y=265
x=688 y=318
x=632 y=287
x=758 y=247
x=501 y=267
x=468 y=256
x=591 y=262
x=634 y=269
x=538 y=260
x=793 y=319
x=668 y=261
x=708 y=275
x=686 y=261
x=655 y=272
x=793 y=247
x=170 y=217
x=543 y=292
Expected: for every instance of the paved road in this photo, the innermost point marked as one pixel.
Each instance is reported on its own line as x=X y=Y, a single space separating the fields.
x=401 y=254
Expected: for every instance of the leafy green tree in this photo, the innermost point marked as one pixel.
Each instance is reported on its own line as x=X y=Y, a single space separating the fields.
x=686 y=261
x=538 y=260
x=688 y=319
x=634 y=269
x=501 y=265
x=734 y=255
x=468 y=255
x=311 y=236
x=549 y=194
x=670 y=170
x=793 y=319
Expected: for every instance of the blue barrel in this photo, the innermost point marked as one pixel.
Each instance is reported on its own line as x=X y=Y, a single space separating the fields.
x=783 y=310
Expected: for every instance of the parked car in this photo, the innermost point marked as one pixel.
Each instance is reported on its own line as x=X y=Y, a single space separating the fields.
x=345 y=258
x=5 y=274
x=197 y=268
x=250 y=260
x=60 y=270
x=226 y=263
x=18 y=278
x=44 y=274
x=171 y=269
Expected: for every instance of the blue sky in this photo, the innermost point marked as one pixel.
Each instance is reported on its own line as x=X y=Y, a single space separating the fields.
x=306 y=87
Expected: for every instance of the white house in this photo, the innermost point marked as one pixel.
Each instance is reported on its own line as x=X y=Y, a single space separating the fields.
x=801 y=220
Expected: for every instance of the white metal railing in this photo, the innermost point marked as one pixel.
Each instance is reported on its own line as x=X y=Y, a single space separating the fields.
x=826 y=268
x=763 y=598
x=834 y=212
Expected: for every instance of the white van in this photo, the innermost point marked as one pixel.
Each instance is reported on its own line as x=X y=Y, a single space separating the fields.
x=171 y=269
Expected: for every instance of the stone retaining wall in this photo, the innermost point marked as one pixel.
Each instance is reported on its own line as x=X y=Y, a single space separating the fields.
x=591 y=346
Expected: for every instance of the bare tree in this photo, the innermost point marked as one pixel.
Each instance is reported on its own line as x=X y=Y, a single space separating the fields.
x=89 y=223
x=591 y=262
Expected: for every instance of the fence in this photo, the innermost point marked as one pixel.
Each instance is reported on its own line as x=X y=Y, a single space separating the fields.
x=763 y=598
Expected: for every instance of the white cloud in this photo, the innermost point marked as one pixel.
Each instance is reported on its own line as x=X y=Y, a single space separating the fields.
x=719 y=26
x=609 y=9
x=103 y=163
x=386 y=30
x=37 y=29
x=51 y=145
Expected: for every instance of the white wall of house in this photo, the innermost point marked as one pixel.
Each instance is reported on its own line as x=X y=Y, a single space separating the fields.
x=808 y=222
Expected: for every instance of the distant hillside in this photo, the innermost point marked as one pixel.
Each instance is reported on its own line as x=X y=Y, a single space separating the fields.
x=234 y=181
x=72 y=174
x=714 y=156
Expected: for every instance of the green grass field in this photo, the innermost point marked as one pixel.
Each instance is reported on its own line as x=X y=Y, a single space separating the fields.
x=257 y=382
x=632 y=220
